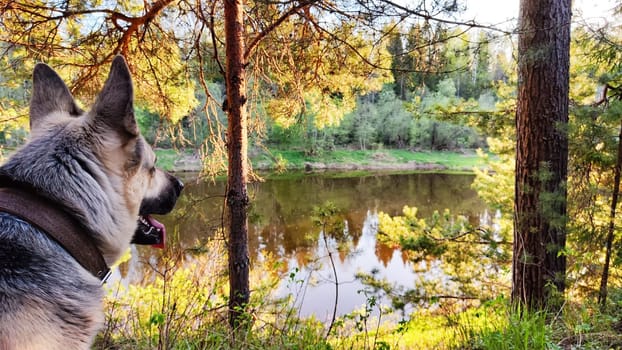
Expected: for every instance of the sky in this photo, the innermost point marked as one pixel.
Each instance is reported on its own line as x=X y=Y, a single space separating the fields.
x=502 y=11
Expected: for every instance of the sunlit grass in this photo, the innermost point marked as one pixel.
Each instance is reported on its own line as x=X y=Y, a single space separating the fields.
x=344 y=160
x=166 y=158
x=451 y=160
x=182 y=305
x=387 y=158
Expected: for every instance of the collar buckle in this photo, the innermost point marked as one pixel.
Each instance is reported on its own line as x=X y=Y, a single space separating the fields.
x=106 y=276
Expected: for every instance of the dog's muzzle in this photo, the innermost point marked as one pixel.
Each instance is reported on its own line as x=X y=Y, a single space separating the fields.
x=149 y=230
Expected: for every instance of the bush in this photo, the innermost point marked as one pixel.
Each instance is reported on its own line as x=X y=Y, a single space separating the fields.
x=183 y=305
x=434 y=135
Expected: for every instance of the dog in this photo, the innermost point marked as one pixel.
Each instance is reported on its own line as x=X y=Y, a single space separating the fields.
x=95 y=168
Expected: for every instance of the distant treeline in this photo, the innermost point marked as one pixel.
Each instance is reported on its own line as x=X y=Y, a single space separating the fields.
x=434 y=73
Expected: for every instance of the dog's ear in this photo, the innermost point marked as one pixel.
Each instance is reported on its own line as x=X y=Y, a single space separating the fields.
x=49 y=94
x=115 y=104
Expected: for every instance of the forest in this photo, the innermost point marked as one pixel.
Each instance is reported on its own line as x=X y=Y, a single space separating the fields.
x=248 y=88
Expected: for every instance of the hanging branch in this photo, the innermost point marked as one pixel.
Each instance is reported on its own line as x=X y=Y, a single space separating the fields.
x=294 y=9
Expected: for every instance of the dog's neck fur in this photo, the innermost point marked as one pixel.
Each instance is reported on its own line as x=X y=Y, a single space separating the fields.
x=67 y=138
x=100 y=171
x=77 y=173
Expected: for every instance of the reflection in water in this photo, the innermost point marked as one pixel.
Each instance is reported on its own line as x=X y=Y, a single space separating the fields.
x=280 y=224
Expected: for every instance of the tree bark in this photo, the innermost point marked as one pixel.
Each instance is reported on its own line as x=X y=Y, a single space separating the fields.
x=237 y=197
x=602 y=292
x=539 y=264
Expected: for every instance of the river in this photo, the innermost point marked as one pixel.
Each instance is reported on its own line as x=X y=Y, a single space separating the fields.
x=281 y=226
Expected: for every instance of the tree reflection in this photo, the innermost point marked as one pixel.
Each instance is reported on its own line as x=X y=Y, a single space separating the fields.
x=453 y=258
x=281 y=221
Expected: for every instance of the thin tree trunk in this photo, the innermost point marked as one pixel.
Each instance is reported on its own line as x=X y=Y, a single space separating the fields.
x=237 y=197
x=602 y=293
x=539 y=263
x=332 y=263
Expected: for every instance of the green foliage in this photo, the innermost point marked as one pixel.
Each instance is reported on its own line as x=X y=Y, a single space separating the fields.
x=434 y=128
x=520 y=330
x=324 y=214
x=388 y=159
x=434 y=135
x=593 y=146
x=167 y=158
x=424 y=56
x=328 y=217
x=297 y=89
x=494 y=183
x=496 y=325
x=451 y=243
x=380 y=120
x=178 y=308
x=579 y=326
x=158 y=313
x=285 y=137
x=14 y=96
x=149 y=124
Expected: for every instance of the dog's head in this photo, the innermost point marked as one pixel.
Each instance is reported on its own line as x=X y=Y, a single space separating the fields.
x=124 y=165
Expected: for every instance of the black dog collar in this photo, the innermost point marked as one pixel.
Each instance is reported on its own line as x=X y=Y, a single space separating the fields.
x=56 y=223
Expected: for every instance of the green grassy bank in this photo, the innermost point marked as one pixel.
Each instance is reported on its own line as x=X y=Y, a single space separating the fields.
x=387 y=159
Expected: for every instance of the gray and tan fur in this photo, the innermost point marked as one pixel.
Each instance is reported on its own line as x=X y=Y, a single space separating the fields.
x=98 y=168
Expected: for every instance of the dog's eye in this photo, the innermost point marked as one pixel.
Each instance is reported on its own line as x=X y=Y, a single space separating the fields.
x=153 y=167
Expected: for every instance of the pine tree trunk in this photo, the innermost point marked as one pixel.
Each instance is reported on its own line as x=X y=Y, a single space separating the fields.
x=237 y=197
x=539 y=265
x=602 y=292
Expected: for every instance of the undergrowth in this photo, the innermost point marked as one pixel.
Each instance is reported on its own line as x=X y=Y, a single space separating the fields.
x=181 y=304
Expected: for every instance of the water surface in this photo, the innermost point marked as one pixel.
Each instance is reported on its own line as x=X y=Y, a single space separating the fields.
x=281 y=225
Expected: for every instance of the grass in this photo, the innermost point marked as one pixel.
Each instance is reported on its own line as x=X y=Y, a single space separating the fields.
x=387 y=159
x=451 y=160
x=167 y=158
x=340 y=160
x=183 y=306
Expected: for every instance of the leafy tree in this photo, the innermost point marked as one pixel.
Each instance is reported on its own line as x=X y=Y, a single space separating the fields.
x=481 y=72
x=434 y=128
x=458 y=57
x=394 y=121
x=596 y=156
x=363 y=130
x=311 y=57
x=55 y=31
x=399 y=65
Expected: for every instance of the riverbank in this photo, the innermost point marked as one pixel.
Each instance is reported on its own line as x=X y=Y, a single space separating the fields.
x=346 y=160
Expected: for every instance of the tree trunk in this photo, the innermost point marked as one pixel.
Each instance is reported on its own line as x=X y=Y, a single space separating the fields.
x=539 y=264
x=602 y=293
x=237 y=197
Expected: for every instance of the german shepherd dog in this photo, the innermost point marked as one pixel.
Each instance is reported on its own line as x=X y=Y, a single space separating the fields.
x=99 y=170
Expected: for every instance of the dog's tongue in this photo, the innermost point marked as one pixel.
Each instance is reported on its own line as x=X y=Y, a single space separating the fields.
x=161 y=229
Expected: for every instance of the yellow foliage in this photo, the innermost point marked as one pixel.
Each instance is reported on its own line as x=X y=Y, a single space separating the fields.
x=317 y=76
x=284 y=110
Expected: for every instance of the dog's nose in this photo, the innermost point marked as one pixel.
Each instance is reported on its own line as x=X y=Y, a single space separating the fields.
x=178 y=185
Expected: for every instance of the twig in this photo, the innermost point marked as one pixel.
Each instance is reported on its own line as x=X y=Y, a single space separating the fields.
x=332 y=263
